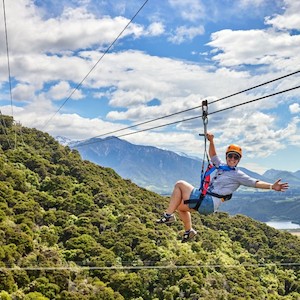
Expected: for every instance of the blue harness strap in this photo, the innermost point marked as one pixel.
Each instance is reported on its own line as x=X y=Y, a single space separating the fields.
x=205 y=181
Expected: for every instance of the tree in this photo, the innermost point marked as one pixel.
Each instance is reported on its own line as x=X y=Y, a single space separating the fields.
x=35 y=296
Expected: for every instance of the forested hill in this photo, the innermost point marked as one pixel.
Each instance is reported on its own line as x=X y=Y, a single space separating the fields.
x=70 y=229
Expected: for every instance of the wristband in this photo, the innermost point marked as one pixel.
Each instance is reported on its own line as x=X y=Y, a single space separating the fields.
x=271 y=186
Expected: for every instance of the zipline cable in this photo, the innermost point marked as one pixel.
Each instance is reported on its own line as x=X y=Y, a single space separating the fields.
x=8 y=60
x=77 y=268
x=199 y=106
x=188 y=119
x=254 y=100
x=95 y=65
x=142 y=130
x=8 y=68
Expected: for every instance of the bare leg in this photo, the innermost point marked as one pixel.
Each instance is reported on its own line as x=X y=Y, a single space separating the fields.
x=182 y=191
x=185 y=217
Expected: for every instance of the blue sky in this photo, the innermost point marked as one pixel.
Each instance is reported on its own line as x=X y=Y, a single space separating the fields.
x=172 y=56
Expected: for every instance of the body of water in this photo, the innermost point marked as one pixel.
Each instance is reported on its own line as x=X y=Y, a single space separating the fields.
x=283 y=225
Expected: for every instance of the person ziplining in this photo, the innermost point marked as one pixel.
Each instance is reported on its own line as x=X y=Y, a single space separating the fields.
x=208 y=197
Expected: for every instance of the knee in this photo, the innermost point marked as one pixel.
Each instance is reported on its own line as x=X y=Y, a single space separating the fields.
x=181 y=184
x=184 y=188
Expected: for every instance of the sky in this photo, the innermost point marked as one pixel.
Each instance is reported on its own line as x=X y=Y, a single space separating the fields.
x=85 y=68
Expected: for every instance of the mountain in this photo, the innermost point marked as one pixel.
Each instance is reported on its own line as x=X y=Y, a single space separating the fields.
x=74 y=230
x=157 y=170
x=291 y=177
x=63 y=140
x=297 y=174
x=150 y=167
x=255 y=175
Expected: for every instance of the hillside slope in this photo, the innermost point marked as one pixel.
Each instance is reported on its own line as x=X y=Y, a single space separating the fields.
x=71 y=229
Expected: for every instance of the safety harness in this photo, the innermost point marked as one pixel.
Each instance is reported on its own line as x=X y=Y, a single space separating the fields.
x=205 y=176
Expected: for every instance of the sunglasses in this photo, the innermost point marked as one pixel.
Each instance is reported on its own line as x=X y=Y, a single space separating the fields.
x=232 y=155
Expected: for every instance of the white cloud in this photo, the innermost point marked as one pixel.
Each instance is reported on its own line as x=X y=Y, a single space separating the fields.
x=191 y=10
x=289 y=19
x=76 y=28
x=184 y=33
x=294 y=108
x=295 y=138
x=254 y=47
x=256 y=167
x=155 y=29
x=39 y=69
x=23 y=92
x=72 y=126
x=257 y=133
x=63 y=90
x=293 y=131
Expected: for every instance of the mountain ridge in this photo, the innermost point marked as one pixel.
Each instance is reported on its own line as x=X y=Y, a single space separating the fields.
x=147 y=166
x=158 y=170
x=151 y=167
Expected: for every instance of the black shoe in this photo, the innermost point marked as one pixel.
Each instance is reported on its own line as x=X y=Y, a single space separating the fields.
x=187 y=236
x=166 y=219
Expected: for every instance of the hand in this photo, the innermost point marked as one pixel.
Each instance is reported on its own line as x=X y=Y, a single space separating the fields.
x=280 y=187
x=210 y=137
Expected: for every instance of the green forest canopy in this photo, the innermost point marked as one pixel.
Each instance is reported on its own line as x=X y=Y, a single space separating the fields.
x=73 y=230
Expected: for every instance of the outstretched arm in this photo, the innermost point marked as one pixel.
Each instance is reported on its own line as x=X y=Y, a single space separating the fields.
x=276 y=186
x=212 y=150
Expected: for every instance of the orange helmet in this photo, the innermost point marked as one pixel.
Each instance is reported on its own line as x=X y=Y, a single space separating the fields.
x=234 y=148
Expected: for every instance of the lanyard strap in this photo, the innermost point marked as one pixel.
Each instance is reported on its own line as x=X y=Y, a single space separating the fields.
x=205 y=154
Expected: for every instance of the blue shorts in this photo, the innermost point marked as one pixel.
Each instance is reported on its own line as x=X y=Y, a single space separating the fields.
x=207 y=205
